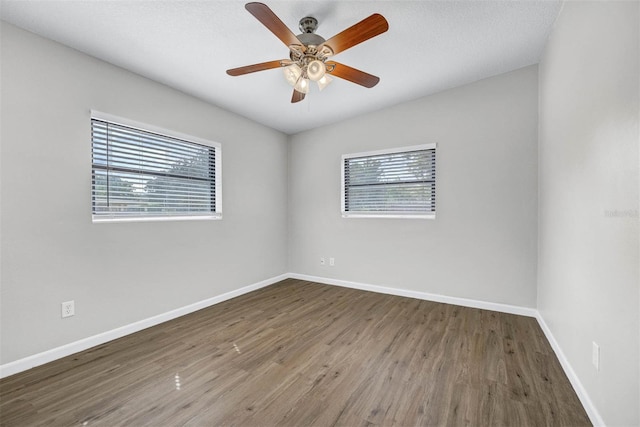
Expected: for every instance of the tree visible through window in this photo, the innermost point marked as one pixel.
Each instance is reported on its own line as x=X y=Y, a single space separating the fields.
x=143 y=174
x=390 y=183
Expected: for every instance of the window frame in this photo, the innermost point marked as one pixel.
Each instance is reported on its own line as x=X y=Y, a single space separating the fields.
x=381 y=214
x=144 y=127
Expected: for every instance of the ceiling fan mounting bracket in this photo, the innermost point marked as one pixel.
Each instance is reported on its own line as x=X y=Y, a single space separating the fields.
x=308 y=24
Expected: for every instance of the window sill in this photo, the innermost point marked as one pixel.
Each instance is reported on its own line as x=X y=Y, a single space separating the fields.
x=391 y=215
x=106 y=219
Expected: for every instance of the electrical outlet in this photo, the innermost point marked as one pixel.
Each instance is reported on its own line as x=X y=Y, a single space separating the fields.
x=595 y=355
x=332 y=262
x=68 y=309
x=322 y=262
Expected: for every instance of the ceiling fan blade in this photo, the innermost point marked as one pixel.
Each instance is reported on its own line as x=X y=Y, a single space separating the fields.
x=358 y=33
x=352 y=74
x=297 y=96
x=256 y=67
x=272 y=22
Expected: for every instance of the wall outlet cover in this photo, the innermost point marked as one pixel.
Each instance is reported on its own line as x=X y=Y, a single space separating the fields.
x=68 y=309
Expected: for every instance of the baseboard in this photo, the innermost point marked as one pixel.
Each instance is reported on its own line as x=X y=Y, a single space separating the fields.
x=465 y=302
x=588 y=405
x=591 y=410
x=32 y=361
x=86 y=343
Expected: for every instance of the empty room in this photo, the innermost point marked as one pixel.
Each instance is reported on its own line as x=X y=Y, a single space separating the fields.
x=319 y=213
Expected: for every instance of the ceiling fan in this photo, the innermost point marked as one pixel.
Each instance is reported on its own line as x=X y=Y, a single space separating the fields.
x=309 y=53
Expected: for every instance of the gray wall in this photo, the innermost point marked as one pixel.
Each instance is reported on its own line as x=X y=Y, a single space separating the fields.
x=117 y=273
x=588 y=251
x=483 y=242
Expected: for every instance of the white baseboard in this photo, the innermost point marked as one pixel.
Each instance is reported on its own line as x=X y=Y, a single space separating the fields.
x=465 y=302
x=592 y=412
x=86 y=343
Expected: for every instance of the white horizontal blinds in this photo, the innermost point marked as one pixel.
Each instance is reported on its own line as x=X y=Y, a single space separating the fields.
x=401 y=182
x=139 y=173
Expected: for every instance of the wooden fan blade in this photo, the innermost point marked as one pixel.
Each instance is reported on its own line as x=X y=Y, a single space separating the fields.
x=358 y=33
x=272 y=22
x=255 y=67
x=297 y=96
x=353 y=75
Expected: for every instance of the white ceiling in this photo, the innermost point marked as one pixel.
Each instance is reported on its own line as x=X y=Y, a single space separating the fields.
x=188 y=45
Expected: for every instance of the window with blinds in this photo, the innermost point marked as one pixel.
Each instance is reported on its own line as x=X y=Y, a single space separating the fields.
x=146 y=174
x=390 y=183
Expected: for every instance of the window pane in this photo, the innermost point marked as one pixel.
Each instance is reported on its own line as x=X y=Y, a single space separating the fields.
x=392 y=197
x=394 y=182
x=138 y=173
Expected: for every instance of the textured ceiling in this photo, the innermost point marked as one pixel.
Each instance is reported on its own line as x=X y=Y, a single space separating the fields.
x=188 y=45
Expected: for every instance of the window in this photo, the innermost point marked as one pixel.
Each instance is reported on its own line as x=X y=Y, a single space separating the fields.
x=143 y=173
x=390 y=183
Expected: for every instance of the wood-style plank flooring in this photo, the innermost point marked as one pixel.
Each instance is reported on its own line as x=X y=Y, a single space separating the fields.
x=300 y=353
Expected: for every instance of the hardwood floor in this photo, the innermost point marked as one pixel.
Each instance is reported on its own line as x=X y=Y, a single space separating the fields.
x=300 y=353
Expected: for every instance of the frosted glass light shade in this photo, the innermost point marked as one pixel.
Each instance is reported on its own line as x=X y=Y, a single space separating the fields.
x=315 y=70
x=302 y=85
x=324 y=81
x=292 y=73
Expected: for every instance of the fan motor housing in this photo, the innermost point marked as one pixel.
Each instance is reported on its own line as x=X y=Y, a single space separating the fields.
x=310 y=39
x=308 y=26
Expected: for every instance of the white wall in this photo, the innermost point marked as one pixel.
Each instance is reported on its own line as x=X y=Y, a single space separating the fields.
x=482 y=244
x=117 y=273
x=588 y=251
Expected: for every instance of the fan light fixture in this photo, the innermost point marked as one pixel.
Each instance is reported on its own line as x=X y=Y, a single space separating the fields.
x=308 y=62
x=324 y=81
x=316 y=70
x=292 y=73
x=302 y=85
x=299 y=76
